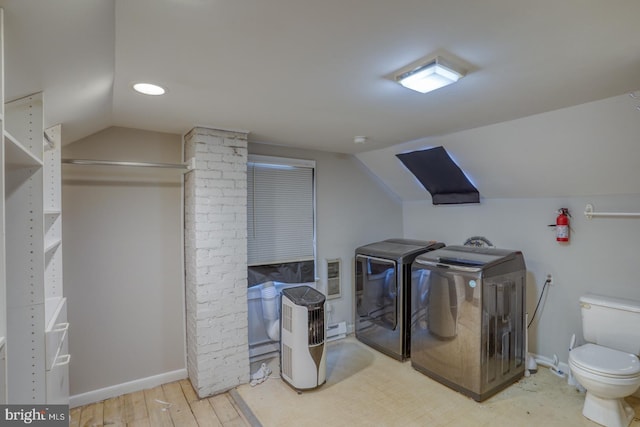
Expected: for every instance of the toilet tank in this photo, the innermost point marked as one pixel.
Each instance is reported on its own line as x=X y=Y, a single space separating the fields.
x=611 y=322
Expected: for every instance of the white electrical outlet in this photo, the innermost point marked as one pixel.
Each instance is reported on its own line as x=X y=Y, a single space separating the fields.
x=550 y=278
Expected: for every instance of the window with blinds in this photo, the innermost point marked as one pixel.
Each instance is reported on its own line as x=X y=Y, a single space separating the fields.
x=280 y=210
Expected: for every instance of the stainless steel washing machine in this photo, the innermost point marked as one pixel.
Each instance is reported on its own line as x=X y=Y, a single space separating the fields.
x=383 y=287
x=468 y=318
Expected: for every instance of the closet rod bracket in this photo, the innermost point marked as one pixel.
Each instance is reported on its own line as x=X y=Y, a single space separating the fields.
x=588 y=211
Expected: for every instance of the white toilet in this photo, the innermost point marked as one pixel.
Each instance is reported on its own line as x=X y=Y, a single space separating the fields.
x=608 y=366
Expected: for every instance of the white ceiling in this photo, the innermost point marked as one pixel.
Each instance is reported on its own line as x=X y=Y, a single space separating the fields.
x=312 y=74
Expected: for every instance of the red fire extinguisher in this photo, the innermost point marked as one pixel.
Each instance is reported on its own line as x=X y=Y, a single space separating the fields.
x=562 y=225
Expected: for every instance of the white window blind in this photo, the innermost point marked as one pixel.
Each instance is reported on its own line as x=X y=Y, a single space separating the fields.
x=280 y=211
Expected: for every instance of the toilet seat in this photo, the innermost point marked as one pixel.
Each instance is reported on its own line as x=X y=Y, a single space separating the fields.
x=605 y=362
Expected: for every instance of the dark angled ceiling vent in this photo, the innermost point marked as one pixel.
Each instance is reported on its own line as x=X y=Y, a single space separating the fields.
x=440 y=176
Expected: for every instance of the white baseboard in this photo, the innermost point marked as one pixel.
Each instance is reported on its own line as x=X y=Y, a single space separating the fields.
x=350 y=328
x=128 y=387
x=336 y=331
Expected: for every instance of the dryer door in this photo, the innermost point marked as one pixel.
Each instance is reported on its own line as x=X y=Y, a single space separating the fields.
x=377 y=291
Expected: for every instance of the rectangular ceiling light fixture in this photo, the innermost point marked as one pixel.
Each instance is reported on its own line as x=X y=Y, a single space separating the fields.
x=430 y=76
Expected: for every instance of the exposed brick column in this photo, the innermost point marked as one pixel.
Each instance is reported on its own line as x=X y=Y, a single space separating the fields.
x=216 y=260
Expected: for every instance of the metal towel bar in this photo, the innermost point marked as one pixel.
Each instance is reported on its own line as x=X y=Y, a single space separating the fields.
x=589 y=213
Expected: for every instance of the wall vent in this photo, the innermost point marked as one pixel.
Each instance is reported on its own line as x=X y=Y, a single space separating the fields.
x=287 y=356
x=287 y=318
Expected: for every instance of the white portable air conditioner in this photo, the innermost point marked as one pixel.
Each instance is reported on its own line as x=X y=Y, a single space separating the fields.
x=302 y=338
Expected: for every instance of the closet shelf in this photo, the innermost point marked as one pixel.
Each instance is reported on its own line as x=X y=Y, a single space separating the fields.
x=52 y=308
x=17 y=156
x=48 y=143
x=50 y=246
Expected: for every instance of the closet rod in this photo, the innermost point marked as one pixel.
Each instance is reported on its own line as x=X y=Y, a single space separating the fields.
x=589 y=213
x=185 y=166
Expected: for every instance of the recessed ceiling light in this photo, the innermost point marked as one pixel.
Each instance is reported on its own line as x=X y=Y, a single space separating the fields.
x=149 y=89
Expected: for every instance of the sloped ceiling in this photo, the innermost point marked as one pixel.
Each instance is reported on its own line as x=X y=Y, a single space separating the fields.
x=590 y=149
x=64 y=49
x=317 y=74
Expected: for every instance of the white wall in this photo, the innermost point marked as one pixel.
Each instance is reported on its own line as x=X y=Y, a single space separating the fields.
x=353 y=209
x=123 y=269
x=602 y=256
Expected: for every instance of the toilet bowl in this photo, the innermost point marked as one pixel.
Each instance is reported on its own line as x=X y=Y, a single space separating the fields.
x=609 y=376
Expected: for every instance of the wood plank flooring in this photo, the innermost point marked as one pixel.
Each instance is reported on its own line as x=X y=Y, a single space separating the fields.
x=173 y=404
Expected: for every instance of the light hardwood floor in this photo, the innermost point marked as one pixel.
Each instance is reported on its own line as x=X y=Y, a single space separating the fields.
x=173 y=404
x=363 y=388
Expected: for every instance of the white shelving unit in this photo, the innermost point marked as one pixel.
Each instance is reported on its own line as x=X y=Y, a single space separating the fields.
x=33 y=320
x=56 y=325
x=24 y=247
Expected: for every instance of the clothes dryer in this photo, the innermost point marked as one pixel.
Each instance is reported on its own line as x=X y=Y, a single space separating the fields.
x=382 y=293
